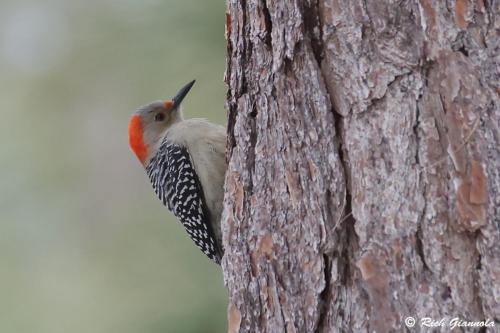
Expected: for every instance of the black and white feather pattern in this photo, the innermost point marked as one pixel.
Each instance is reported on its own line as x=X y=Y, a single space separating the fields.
x=174 y=180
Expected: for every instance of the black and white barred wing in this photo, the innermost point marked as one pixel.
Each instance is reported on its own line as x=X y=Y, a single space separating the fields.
x=174 y=180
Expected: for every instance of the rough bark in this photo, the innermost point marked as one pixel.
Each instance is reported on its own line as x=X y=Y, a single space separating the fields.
x=363 y=150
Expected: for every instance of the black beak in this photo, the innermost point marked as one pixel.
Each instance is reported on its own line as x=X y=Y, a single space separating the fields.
x=181 y=94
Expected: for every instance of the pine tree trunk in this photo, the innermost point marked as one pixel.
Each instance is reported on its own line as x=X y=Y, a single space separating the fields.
x=363 y=179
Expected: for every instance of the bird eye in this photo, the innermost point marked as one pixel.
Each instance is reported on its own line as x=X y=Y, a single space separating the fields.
x=159 y=117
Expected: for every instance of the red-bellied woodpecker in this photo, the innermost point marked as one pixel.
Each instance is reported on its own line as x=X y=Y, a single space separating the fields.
x=185 y=162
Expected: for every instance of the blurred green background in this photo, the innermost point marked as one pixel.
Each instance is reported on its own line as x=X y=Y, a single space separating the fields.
x=85 y=246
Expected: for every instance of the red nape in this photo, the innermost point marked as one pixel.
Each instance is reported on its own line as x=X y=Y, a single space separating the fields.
x=135 y=138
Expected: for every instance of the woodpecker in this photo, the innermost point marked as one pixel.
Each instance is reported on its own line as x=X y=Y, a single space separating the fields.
x=185 y=162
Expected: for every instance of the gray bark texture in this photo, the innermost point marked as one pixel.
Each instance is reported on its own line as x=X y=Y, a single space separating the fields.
x=363 y=183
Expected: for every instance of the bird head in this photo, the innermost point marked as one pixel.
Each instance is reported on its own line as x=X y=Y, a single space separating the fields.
x=148 y=124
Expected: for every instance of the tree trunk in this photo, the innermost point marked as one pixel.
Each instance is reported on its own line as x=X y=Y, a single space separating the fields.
x=363 y=178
